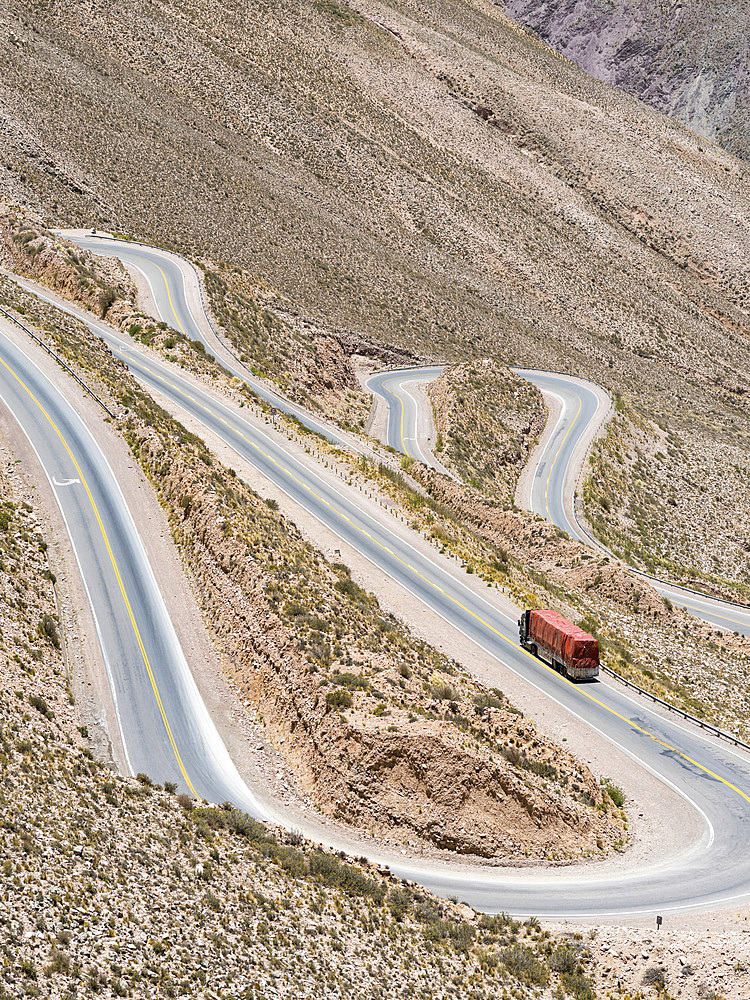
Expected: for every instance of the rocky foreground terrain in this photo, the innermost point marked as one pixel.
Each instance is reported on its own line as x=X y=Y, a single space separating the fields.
x=118 y=888
x=115 y=887
x=687 y=59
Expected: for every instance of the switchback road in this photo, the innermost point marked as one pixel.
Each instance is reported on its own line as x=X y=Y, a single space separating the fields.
x=714 y=779
x=556 y=467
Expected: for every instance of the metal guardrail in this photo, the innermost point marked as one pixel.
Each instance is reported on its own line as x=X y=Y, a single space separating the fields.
x=59 y=360
x=721 y=733
x=583 y=528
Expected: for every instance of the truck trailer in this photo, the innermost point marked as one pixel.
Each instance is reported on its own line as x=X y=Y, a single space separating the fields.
x=568 y=649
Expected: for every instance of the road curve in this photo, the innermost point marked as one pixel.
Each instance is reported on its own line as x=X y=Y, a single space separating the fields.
x=166 y=729
x=404 y=430
x=556 y=469
x=713 y=778
x=177 y=294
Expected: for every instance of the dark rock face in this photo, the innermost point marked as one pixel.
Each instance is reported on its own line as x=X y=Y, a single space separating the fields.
x=689 y=59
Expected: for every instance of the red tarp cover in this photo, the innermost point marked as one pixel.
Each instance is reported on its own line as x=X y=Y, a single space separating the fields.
x=567 y=642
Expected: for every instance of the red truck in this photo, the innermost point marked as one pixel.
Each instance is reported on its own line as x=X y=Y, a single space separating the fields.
x=569 y=649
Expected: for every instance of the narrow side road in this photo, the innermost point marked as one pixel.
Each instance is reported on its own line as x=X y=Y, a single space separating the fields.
x=556 y=467
x=406 y=431
x=549 y=483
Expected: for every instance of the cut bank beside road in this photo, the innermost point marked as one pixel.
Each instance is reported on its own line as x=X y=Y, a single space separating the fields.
x=194 y=897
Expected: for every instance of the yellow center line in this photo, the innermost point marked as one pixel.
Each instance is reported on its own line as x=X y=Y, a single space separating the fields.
x=116 y=569
x=724 y=618
x=169 y=296
x=554 y=460
x=491 y=628
x=403 y=441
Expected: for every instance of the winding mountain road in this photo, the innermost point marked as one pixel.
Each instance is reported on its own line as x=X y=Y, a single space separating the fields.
x=712 y=778
x=556 y=466
x=405 y=428
x=165 y=727
x=178 y=296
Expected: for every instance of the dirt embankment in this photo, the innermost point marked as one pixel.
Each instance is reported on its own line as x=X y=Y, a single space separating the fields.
x=487 y=420
x=28 y=248
x=540 y=545
x=379 y=742
x=542 y=548
x=107 y=879
x=310 y=363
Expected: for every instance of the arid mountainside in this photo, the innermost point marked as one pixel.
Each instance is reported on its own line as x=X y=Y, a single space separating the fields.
x=118 y=888
x=431 y=177
x=690 y=60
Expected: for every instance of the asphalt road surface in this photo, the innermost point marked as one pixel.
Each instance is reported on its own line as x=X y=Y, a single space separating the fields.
x=553 y=488
x=167 y=731
x=710 y=775
x=557 y=468
x=404 y=431
x=167 y=276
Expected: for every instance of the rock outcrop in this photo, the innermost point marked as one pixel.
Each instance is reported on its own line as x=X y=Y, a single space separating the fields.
x=690 y=60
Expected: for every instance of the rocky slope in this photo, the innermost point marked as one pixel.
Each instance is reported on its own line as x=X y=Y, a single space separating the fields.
x=114 y=887
x=650 y=483
x=369 y=718
x=488 y=420
x=690 y=60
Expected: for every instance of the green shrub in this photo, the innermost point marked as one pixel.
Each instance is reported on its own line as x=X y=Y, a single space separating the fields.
x=564 y=959
x=353 y=682
x=655 y=975
x=106 y=298
x=329 y=871
x=578 y=986
x=522 y=963
x=339 y=699
x=616 y=794
x=354 y=592
x=37 y=702
x=47 y=629
x=442 y=692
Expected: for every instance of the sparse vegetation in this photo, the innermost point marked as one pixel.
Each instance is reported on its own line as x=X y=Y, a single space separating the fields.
x=328 y=632
x=488 y=420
